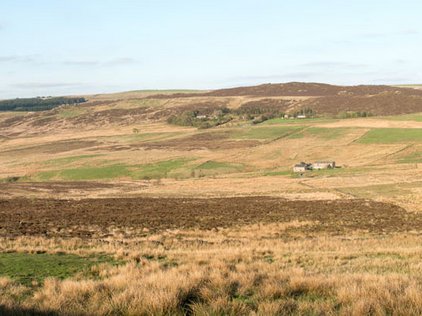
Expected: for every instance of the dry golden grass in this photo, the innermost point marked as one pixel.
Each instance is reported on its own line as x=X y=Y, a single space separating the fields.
x=245 y=270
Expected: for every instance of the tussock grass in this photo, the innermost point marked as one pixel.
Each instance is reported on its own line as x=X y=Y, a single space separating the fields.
x=244 y=270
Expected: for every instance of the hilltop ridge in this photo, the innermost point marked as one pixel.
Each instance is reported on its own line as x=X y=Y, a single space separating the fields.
x=257 y=103
x=301 y=89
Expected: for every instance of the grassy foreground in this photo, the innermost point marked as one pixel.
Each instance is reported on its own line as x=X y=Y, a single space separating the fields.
x=27 y=268
x=244 y=270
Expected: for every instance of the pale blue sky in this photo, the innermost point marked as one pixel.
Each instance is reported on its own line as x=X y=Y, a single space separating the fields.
x=89 y=46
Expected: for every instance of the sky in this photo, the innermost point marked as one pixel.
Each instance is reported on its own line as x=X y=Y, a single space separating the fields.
x=63 y=47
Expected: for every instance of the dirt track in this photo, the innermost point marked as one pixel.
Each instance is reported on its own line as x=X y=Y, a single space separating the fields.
x=97 y=218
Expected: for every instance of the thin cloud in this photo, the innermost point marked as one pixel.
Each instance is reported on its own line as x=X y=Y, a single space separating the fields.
x=94 y=63
x=296 y=75
x=34 y=59
x=410 y=32
x=391 y=80
x=7 y=58
x=332 y=64
x=80 y=63
x=280 y=77
x=18 y=59
x=375 y=35
x=121 y=61
x=40 y=85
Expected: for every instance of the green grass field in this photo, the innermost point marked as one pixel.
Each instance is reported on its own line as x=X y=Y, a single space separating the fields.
x=211 y=167
x=28 y=267
x=392 y=136
x=323 y=133
x=265 y=133
x=279 y=120
x=86 y=173
x=69 y=160
x=173 y=168
x=161 y=169
x=278 y=173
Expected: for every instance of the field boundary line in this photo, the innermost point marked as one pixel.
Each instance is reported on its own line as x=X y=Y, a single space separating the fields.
x=395 y=152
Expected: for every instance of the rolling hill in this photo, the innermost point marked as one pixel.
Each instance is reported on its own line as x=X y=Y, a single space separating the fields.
x=241 y=104
x=222 y=142
x=327 y=99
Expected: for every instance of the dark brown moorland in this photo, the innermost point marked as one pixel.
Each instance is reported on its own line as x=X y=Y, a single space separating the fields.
x=326 y=98
x=97 y=217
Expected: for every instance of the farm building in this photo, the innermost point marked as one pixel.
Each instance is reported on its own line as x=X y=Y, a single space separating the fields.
x=301 y=167
x=324 y=165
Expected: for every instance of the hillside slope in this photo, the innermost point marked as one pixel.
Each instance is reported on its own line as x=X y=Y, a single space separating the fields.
x=299 y=89
x=310 y=89
x=240 y=105
x=325 y=98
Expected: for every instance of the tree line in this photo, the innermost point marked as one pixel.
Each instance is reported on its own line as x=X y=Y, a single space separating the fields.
x=37 y=104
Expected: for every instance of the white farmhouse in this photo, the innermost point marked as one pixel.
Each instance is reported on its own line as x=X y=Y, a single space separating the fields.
x=301 y=167
x=323 y=165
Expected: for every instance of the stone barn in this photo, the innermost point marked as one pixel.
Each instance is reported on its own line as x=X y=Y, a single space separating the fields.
x=324 y=165
x=301 y=167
